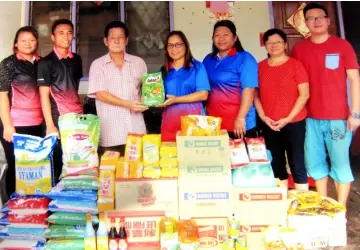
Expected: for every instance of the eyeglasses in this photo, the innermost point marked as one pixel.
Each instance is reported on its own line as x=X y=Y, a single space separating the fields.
x=314 y=19
x=176 y=45
x=274 y=43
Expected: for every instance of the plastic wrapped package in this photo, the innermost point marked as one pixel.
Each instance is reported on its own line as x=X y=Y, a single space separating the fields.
x=152 y=172
x=257 y=149
x=76 y=206
x=122 y=169
x=107 y=183
x=135 y=170
x=79 y=141
x=65 y=232
x=153 y=92
x=65 y=218
x=151 y=148
x=169 y=163
x=239 y=156
x=168 y=150
x=33 y=164
x=133 y=148
x=199 y=125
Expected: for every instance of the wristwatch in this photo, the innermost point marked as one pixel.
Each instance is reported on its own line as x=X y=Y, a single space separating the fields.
x=355 y=115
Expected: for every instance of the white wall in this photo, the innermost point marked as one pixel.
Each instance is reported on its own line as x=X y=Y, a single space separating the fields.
x=251 y=18
x=192 y=18
x=11 y=19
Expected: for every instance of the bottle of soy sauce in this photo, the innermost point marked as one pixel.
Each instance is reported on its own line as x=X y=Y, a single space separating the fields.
x=123 y=244
x=113 y=236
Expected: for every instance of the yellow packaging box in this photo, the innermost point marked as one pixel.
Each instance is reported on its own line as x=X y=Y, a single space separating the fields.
x=106 y=203
x=168 y=150
x=135 y=169
x=169 y=163
x=169 y=172
x=109 y=160
x=122 y=169
x=107 y=183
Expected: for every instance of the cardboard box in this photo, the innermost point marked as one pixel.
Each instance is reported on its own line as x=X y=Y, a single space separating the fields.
x=261 y=206
x=198 y=148
x=320 y=230
x=147 y=195
x=204 y=199
x=142 y=228
x=212 y=232
x=212 y=171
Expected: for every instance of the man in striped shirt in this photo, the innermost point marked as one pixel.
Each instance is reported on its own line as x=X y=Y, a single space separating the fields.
x=115 y=81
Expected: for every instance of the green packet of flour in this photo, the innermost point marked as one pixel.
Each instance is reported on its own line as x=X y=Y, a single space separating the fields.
x=153 y=92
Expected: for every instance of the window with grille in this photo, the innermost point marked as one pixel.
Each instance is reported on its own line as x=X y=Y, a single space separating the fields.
x=148 y=23
x=42 y=16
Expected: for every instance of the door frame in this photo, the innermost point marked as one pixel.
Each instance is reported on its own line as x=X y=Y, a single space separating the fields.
x=339 y=12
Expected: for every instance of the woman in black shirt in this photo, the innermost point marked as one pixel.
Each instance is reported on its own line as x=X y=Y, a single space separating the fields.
x=20 y=106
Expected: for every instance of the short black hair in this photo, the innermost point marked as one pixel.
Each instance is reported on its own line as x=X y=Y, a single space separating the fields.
x=59 y=22
x=271 y=32
x=312 y=6
x=116 y=24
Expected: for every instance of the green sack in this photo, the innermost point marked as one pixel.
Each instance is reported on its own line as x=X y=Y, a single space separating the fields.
x=79 y=182
x=153 y=92
x=65 y=232
x=64 y=218
x=65 y=245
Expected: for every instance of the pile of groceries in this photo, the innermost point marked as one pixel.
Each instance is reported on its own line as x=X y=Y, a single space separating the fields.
x=204 y=192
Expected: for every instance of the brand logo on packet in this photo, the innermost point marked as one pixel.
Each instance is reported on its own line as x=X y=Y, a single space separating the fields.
x=260 y=197
x=207 y=242
x=152 y=79
x=146 y=197
x=207 y=196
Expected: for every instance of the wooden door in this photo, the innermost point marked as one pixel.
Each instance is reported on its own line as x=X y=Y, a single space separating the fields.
x=283 y=10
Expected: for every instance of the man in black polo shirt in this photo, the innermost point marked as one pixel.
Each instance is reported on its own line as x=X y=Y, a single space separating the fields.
x=58 y=76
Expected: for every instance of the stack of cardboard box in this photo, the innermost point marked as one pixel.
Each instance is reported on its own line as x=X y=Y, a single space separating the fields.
x=205 y=190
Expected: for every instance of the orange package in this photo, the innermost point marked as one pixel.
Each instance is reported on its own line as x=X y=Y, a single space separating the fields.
x=257 y=149
x=133 y=149
x=200 y=125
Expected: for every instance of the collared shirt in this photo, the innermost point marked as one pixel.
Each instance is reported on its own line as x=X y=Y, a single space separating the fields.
x=18 y=78
x=228 y=77
x=62 y=75
x=182 y=82
x=125 y=83
x=69 y=54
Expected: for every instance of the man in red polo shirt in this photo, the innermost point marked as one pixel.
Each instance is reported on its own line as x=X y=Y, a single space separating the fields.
x=329 y=60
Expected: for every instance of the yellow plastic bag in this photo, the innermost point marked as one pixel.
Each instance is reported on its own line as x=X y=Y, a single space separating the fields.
x=107 y=183
x=151 y=148
x=152 y=172
x=168 y=150
x=122 y=169
x=199 y=125
x=133 y=149
x=169 y=163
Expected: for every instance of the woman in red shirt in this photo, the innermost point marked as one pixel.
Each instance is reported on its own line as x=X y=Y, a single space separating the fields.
x=280 y=102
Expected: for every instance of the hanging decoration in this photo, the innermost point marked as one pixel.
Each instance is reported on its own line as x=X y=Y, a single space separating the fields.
x=98 y=2
x=220 y=10
x=297 y=20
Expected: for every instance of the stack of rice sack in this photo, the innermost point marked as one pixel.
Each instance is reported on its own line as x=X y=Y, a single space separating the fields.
x=24 y=215
x=168 y=160
x=106 y=199
x=76 y=193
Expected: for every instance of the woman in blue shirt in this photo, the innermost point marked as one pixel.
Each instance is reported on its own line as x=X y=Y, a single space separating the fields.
x=186 y=85
x=233 y=76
